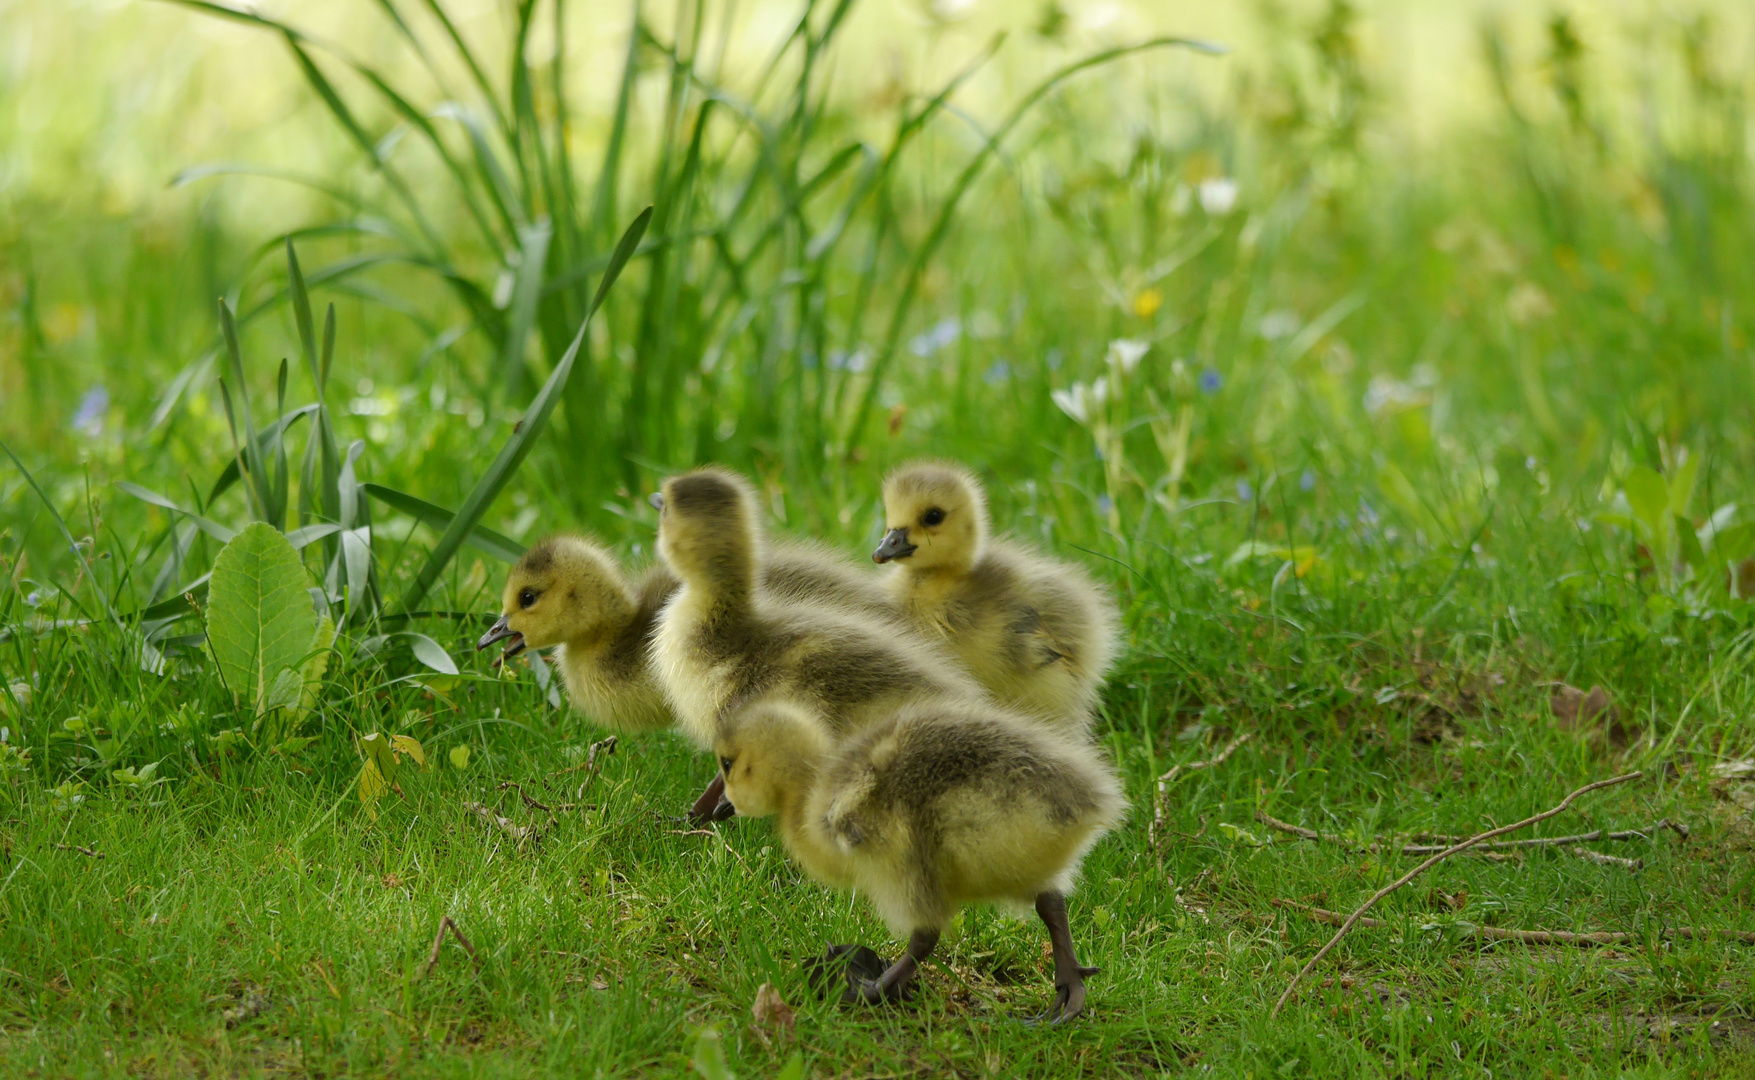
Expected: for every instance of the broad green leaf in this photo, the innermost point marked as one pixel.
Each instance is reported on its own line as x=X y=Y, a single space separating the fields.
x=285 y=692
x=1692 y=552
x=259 y=617
x=709 y=1057
x=372 y=787
x=376 y=749
x=289 y=747
x=1734 y=543
x=459 y=756
x=1649 y=499
x=1682 y=480
x=793 y=1069
x=411 y=746
x=431 y=653
x=317 y=665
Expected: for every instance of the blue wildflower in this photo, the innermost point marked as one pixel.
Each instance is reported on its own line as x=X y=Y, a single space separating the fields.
x=998 y=373
x=1307 y=482
x=1210 y=381
x=945 y=333
x=1244 y=491
x=89 y=417
x=1105 y=505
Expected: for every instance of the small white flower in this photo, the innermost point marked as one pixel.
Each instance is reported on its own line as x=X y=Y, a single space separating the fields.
x=1218 y=195
x=1278 y=324
x=1081 y=402
x=1124 y=355
x=1388 y=393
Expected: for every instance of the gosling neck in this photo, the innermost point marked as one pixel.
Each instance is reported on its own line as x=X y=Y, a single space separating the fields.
x=611 y=624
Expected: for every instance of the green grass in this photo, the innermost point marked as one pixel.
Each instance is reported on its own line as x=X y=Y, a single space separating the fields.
x=1400 y=455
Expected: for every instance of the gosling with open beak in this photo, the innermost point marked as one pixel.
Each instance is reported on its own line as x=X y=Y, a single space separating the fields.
x=502 y=631
x=895 y=545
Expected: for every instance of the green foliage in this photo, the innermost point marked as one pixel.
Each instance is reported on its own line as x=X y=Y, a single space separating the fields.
x=1370 y=417
x=1706 y=561
x=264 y=634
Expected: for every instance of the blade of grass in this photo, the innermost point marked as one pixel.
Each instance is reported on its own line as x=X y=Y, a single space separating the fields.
x=512 y=455
x=947 y=212
x=480 y=537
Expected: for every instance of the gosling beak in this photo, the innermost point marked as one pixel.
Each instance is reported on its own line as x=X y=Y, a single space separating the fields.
x=895 y=546
x=723 y=811
x=656 y=500
x=500 y=631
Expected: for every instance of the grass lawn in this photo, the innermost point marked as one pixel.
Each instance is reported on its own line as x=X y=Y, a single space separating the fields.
x=1419 y=460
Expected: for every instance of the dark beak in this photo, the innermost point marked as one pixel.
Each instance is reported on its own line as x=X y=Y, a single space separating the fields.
x=723 y=811
x=656 y=500
x=500 y=631
x=895 y=546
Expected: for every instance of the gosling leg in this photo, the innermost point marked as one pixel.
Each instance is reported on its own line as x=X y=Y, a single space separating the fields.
x=706 y=807
x=1069 y=975
x=892 y=985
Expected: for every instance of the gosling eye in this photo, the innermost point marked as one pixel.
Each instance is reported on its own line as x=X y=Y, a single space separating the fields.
x=932 y=517
x=725 y=764
x=526 y=598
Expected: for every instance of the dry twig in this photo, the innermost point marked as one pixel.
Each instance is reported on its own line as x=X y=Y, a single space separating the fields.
x=525 y=795
x=1535 y=937
x=1631 y=865
x=1375 y=848
x=87 y=852
x=1156 y=831
x=505 y=825
x=445 y=924
x=1482 y=849
x=1352 y=919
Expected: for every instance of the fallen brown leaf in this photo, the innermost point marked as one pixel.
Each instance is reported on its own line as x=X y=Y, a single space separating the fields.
x=771 y=1011
x=1588 y=713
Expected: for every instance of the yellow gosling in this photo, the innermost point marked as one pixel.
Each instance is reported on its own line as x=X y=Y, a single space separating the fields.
x=1038 y=633
x=936 y=806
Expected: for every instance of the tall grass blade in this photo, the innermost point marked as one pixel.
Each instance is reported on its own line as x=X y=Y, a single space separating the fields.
x=436 y=517
x=512 y=455
x=526 y=291
x=947 y=212
x=66 y=534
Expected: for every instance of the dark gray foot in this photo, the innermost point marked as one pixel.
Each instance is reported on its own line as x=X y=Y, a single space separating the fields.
x=1069 y=974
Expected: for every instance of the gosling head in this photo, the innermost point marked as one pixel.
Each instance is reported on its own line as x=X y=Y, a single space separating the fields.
x=564 y=589
x=766 y=751
x=935 y=517
x=709 y=529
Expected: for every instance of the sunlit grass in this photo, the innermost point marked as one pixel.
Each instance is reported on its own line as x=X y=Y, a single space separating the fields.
x=1382 y=421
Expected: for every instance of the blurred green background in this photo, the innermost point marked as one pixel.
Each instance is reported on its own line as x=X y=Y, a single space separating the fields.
x=1392 y=364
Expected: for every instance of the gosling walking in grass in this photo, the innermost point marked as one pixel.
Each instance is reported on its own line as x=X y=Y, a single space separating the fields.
x=936 y=806
x=569 y=591
x=1039 y=634
x=722 y=643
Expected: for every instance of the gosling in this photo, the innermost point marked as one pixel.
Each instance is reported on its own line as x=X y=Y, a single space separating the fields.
x=721 y=642
x=938 y=806
x=1039 y=634
x=571 y=592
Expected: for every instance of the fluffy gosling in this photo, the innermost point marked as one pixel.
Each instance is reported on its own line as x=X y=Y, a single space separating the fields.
x=938 y=806
x=1039 y=634
x=569 y=591
x=721 y=641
